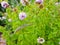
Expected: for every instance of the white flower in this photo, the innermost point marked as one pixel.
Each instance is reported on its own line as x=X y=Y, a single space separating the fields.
x=22 y=15
x=40 y=40
x=4 y=4
x=0 y=18
x=3 y=17
x=59 y=42
x=57 y=3
x=23 y=2
x=5 y=14
x=10 y=20
x=39 y=1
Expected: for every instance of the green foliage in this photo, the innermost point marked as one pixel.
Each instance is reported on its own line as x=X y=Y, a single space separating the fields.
x=44 y=23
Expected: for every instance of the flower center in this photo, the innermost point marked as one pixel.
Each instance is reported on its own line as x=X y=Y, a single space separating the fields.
x=41 y=39
x=23 y=16
x=5 y=4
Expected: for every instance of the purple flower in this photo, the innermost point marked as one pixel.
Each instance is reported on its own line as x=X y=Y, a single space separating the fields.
x=4 y=4
x=39 y=1
x=22 y=15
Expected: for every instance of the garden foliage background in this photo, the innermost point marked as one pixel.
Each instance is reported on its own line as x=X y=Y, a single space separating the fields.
x=44 y=23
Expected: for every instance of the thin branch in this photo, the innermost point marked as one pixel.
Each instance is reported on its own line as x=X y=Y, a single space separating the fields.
x=21 y=27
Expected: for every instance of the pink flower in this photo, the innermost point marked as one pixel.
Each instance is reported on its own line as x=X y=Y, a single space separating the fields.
x=24 y=2
x=22 y=15
x=4 y=4
x=2 y=41
x=39 y=1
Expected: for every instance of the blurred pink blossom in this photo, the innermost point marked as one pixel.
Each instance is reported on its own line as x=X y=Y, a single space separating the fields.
x=22 y=15
x=23 y=2
x=4 y=4
x=39 y=1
